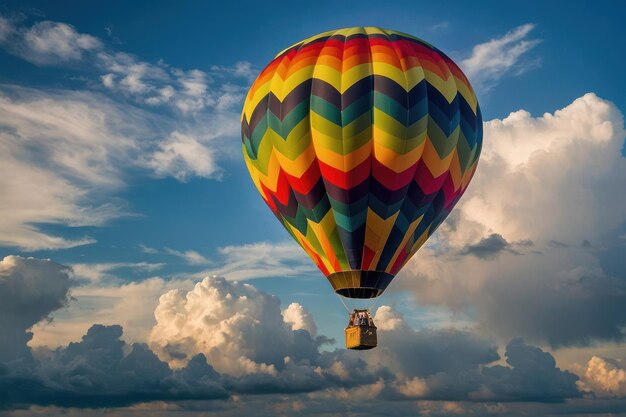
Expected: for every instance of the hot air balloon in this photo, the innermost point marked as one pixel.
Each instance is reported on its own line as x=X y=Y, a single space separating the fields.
x=361 y=141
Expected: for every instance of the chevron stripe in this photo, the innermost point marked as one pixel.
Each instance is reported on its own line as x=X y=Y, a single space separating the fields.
x=361 y=141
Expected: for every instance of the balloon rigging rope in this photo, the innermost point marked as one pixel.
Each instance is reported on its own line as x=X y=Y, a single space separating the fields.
x=344 y=304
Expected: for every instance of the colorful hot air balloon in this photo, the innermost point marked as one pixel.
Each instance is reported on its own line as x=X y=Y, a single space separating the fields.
x=361 y=141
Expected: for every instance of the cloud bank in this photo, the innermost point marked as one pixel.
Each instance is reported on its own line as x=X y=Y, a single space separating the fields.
x=522 y=253
x=224 y=339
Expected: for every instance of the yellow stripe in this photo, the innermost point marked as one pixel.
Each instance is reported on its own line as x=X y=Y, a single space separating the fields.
x=347 y=162
x=407 y=236
x=395 y=161
x=435 y=165
x=300 y=165
x=377 y=231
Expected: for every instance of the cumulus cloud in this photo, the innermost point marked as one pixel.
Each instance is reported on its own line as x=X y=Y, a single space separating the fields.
x=605 y=377
x=239 y=329
x=539 y=194
x=223 y=339
x=299 y=318
x=30 y=289
x=107 y=300
x=102 y=370
x=547 y=177
x=491 y=60
x=451 y=364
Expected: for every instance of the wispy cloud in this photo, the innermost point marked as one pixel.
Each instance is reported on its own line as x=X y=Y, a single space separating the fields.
x=56 y=149
x=262 y=259
x=46 y=42
x=189 y=256
x=439 y=27
x=66 y=153
x=490 y=61
x=101 y=272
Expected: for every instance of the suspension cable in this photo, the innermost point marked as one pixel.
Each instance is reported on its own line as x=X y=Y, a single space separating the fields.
x=344 y=304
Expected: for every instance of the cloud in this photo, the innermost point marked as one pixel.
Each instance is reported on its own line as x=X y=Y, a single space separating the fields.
x=101 y=370
x=299 y=318
x=262 y=259
x=242 y=69
x=46 y=42
x=225 y=339
x=450 y=364
x=187 y=91
x=491 y=60
x=540 y=180
x=190 y=256
x=99 y=272
x=183 y=156
x=68 y=152
x=30 y=289
x=487 y=247
x=107 y=300
x=605 y=377
x=56 y=149
x=239 y=329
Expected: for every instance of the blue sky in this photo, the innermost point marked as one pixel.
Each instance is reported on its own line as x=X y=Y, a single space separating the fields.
x=119 y=126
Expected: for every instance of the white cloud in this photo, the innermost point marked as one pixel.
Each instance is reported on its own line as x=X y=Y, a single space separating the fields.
x=605 y=377
x=542 y=185
x=187 y=91
x=388 y=319
x=99 y=272
x=262 y=259
x=549 y=177
x=6 y=28
x=489 y=61
x=190 y=256
x=56 y=149
x=194 y=82
x=46 y=42
x=242 y=69
x=107 y=300
x=131 y=75
x=299 y=318
x=238 y=328
x=53 y=41
x=183 y=156
x=108 y=80
x=65 y=154
x=158 y=84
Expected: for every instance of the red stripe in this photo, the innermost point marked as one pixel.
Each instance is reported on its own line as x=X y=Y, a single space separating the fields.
x=307 y=181
x=390 y=179
x=368 y=257
x=426 y=181
x=346 y=180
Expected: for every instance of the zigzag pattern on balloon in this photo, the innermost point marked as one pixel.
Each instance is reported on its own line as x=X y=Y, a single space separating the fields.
x=361 y=141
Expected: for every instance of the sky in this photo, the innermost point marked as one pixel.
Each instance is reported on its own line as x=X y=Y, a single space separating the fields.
x=142 y=274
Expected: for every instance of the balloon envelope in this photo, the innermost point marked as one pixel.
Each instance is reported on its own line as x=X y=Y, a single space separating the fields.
x=361 y=141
